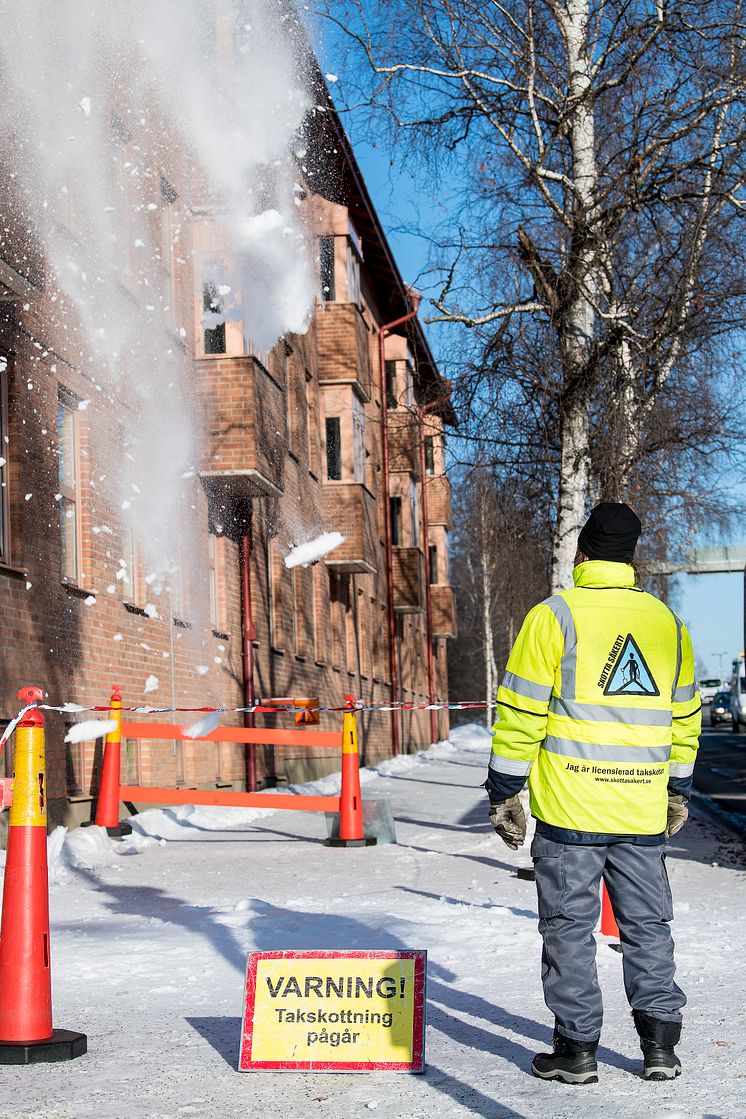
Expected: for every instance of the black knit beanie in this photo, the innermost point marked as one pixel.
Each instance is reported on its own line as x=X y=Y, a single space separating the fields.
x=610 y=533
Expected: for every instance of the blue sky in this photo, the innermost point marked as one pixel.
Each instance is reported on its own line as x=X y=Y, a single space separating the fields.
x=712 y=608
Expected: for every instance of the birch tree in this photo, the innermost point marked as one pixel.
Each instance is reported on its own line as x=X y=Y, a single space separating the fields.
x=599 y=149
x=498 y=571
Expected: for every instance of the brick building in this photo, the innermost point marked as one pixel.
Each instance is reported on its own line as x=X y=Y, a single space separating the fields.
x=291 y=443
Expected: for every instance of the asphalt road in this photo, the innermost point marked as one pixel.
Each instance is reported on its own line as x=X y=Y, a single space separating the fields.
x=720 y=772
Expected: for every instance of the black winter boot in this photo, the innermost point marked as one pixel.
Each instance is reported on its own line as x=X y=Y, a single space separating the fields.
x=572 y=1062
x=657 y=1039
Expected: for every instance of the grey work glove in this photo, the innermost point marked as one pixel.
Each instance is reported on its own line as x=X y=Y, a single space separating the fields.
x=509 y=821
x=677 y=813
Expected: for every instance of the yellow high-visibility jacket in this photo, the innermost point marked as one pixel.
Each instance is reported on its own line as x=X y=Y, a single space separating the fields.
x=599 y=709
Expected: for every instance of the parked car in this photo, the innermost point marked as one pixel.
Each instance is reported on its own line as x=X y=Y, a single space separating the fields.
x=720 y=711
x=738 y=701
x=708 y=689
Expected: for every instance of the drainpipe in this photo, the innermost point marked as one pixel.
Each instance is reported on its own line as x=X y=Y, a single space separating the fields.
x=415 y=299
x=428 y=578
x=248 y=636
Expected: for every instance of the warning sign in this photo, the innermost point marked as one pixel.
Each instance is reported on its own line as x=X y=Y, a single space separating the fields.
x=630 y=675
x=334 y=1011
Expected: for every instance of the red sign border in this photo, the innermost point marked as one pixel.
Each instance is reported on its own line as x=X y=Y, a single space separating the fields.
x=417 y=1064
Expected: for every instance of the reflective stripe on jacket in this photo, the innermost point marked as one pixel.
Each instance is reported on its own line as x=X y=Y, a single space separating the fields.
x=598 y=708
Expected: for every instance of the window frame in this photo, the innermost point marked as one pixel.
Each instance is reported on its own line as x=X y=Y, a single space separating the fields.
x=429 y=442
x=358 y=439
x=395 y=507
x=327 y=250
x=332 y=446
x=216 y=587
x=354 y=284
x=167 y=224
x=391 y=374
x=433 y=562
x=67 y=404
x=210 y=273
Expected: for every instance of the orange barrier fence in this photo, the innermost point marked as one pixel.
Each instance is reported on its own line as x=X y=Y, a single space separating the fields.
x=348 y=804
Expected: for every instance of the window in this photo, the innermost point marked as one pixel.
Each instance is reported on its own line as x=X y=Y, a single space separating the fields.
x=433 y=550
x=320 y=614
x=127 y=572
x=395 y=506
x=4 y=503
x=326 y=268
x=358 y=440
x=350 y=623
x=168 y=235
x=392 y=400
x=353 y=276
x=287 y=372
x=68 y=456
x=333 y=449
x=216 y=570
x=429 y=454
x=304 y=602
x=277 y=581
x=312 y=423
x=176 y=595
x=343 y=622
x=413 y=511
x=213 y=308
x=409 y=384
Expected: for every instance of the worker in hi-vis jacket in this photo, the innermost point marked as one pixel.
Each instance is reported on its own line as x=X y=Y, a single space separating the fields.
x=600 y=711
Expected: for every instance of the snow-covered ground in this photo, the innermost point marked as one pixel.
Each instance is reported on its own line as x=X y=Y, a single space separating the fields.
x=149 y=949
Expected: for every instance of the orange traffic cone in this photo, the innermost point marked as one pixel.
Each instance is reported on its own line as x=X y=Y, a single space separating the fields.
x=609 y=926
x=107 y=807
x=351 y=832
x=26 y=1034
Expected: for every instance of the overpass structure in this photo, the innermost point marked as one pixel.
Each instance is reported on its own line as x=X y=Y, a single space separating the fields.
x=703 y=561
x=708 y=561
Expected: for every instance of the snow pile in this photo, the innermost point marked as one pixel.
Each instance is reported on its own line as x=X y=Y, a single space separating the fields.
x=88 y=849
x=170 y=823
x=313 y=550
x=90 y=730
x=472 y=737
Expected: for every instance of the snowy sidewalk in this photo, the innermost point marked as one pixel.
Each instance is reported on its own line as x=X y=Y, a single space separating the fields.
x=149 y=955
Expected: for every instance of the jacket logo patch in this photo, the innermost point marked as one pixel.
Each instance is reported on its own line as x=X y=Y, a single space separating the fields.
x=630 y=675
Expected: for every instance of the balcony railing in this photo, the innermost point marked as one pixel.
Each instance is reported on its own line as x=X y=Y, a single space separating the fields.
x=244 y=424
x=438 y=500
x=444 y=611
x=350 y=508
x=409 y=580
x=343 y=342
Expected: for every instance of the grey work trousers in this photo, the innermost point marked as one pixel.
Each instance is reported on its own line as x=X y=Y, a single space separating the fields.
x=568 y=879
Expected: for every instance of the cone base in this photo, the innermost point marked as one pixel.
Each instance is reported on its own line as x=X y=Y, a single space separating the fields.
x=63 y=1045
x=115 y=831
x=369 y=841
x=526 y=873
x=119 y=831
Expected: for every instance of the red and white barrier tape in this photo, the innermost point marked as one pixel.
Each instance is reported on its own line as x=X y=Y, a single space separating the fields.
x=268 y=708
